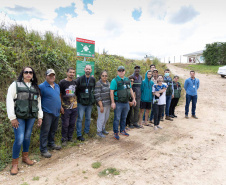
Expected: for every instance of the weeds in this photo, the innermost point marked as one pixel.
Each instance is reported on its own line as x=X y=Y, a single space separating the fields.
x=109 y=171
x=96 y=165
x=35 y=178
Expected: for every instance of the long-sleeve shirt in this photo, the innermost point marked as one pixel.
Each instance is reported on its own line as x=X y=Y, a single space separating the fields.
x=10 y=104
x=102 y=93
x=191 y=86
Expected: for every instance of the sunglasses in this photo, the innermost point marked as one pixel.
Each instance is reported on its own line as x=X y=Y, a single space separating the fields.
x=121 y=70
x=132 y=80
x=30 y=72
x=104 y=75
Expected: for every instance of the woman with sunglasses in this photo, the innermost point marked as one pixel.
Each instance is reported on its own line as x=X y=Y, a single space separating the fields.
x=23 y=107
x=102 y=96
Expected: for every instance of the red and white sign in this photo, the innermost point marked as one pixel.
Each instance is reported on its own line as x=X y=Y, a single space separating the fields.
x=85 y=40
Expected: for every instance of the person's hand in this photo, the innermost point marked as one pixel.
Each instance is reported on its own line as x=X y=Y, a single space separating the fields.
x=62 y=110
x=113 y=105
x=130 y=104
x=157 y=94
x=102 y=109
x=39 y=122
x=15 y=123
x=134 y=103
x=172 y=96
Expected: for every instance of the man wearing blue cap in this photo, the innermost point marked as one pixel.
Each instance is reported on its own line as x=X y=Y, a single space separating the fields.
x=121 y=91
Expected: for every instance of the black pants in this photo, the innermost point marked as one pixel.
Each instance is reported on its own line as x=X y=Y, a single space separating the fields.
x=173 y=104
x=158 y=110
x=128 y=122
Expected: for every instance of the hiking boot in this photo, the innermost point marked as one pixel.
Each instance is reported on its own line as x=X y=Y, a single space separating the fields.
x=155 y=128
x=105 y=132
x=26 y=159
x=174 y=116
x=186 y=116
x=80 y=138
x=100 y=134
x=171 y=116
x=136 y=125
x=159 y=127
x=124 y=133
x=14 y=170
x=168 y=118
x=46 y=154
x=116 y=136
x=194 y=116
x=54 y=147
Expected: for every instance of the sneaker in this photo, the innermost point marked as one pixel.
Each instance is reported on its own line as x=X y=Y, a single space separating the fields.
x=100 y=134
x=161 y=119
x=155 y=128
x=116 y=136
x=55 y=147
x=80 y=138
x=105 y=132
x=171 y=116
x=131 y=126
x=194 y=116
x=174 y=116
x=159 y=127
x=186 y=116
x=168 y=118
x=124 y=133
x=46 y=154
x=136 y=125
x=150 y=121
x=64 y=143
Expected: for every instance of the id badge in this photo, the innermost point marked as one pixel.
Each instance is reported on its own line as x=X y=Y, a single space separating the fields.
x=87 y=91
x=193 y=86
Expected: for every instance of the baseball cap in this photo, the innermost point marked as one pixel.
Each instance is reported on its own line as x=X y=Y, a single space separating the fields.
x=121 y=67
x=50 y=71
x=137 y=67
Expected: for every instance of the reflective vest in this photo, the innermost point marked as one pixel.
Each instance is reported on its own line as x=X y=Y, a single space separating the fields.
x=26 y=103
x=123 y=90
x=169 y=90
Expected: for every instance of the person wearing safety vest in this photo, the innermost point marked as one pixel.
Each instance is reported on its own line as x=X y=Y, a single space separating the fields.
x=175 y=99
x=23 y=107
x=169 y=92
x=120 y=92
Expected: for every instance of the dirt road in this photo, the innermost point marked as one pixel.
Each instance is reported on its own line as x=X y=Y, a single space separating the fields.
x=185 y=151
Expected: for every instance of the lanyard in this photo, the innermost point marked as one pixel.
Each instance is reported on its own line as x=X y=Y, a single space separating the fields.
x=87 y=82
x=193 y=81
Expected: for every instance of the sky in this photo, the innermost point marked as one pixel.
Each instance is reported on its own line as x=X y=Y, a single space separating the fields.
x=129 y=28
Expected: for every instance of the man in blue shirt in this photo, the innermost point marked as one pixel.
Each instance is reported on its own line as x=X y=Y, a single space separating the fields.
x=51 y=104
x=191 y=86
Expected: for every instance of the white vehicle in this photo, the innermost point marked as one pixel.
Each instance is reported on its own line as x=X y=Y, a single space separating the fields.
x=222 y=71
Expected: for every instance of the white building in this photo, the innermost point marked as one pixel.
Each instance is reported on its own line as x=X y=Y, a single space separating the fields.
x=195 y=57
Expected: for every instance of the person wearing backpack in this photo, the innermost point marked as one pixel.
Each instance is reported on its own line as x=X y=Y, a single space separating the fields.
x=85 y=98
x=23 y=107
x=120 y=92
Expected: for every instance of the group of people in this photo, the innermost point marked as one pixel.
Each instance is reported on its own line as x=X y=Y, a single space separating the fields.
x=131 y=97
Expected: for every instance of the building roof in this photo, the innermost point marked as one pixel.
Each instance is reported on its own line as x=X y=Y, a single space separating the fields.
x=194 y=54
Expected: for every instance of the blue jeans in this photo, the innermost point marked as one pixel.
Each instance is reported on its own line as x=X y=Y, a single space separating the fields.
x=190 y=98
x=87 y=109
x=68 y=124
x=22 y=136
x=168 y=101
x=120 y=114
x=48 y=130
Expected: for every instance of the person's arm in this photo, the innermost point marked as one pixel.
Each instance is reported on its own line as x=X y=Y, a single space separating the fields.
x=133 y=97
x=61 y=98
x=11 y=95
x=173 y=90
x=198 y=85
x=40 y=112
x=185 y=85
x=97 y=95
x=112 y=99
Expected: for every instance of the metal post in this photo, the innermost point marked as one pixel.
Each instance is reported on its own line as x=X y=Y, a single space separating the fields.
x=84 y=59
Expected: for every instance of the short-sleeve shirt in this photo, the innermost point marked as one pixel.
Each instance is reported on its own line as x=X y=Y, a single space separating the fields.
x=113 y=86
x=67 y=90
x=162 y=98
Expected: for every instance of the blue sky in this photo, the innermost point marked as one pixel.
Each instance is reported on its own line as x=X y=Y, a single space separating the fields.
x=131 y=28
